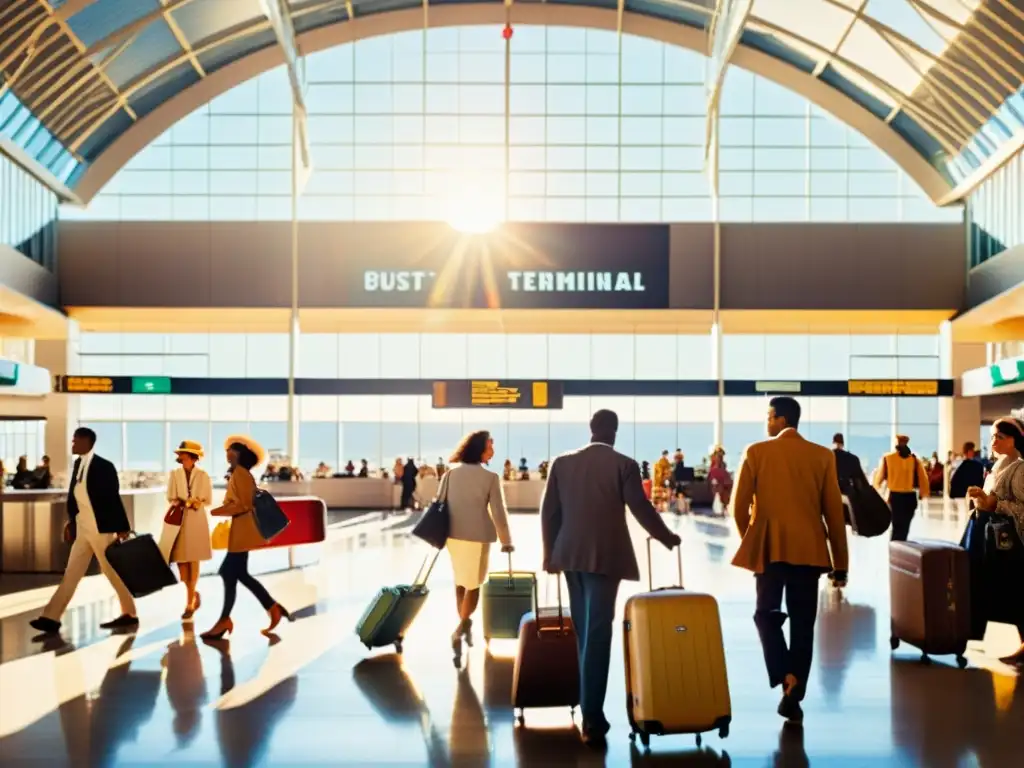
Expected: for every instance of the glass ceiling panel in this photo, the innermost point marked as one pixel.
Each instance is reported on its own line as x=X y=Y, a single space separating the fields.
x=943 y=68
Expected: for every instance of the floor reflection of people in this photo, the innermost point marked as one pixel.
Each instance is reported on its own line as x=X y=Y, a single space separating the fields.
x=844 y=629
x=468 y=738
x=386 y=685
x=186 y=687
x=126 y=701
x=244 y=732
x=689 y=758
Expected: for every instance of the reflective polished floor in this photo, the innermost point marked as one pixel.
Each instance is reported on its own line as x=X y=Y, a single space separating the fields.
x=313 y=696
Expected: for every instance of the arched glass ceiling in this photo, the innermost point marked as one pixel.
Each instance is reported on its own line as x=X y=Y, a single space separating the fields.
x=946 y=76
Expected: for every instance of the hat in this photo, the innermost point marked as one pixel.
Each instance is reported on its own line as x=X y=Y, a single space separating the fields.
x=248 y=442
x=902 y=438
x=190 y=446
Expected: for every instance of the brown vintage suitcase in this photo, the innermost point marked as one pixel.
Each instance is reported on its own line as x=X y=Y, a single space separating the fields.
x=930 y=597
x=547 y=666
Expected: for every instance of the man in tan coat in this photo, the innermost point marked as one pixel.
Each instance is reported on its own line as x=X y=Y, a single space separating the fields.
x=789 y=511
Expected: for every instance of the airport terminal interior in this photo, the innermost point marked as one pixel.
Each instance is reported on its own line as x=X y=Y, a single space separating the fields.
x=327 y=240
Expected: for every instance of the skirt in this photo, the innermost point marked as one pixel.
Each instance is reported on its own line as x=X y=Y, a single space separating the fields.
x=469 y=562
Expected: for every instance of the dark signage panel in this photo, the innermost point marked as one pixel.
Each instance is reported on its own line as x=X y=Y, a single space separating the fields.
x=489 y=393
x=518 y=266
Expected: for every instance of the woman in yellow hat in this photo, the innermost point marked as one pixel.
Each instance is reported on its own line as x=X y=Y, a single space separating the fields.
x=244 y=454
x=189 y=491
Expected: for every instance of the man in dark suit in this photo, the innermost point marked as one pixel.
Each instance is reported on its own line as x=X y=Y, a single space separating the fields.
x=970 y=472
x=848 y=466
x=96 y=518
x=583 y=523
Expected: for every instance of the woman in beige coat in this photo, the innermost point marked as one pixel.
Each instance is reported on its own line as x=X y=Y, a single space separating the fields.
x=189 y=490
x=243 y=453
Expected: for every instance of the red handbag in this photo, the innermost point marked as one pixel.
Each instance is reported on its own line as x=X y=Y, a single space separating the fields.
x=175 y=515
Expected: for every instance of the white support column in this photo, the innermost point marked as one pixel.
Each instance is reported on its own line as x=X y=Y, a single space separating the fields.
x=59 y=357
x=293 y=324
x=959 y=417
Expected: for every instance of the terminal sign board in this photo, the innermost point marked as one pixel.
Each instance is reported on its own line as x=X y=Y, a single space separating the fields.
x=80 y=385
x=894 y=387
x=491 y=393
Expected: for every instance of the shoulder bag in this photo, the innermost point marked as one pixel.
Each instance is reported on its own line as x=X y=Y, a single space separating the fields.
x=435 y=524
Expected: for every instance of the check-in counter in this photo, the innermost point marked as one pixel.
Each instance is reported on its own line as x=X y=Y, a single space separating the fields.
x=523 y=495
x=340 y=492
x=32 y=526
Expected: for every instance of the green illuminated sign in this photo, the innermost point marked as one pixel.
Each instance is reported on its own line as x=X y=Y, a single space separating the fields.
x=1007 y=372
x=151 y=385
x=8 y=373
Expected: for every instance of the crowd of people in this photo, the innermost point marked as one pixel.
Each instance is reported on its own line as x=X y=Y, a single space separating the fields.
x=787 y=503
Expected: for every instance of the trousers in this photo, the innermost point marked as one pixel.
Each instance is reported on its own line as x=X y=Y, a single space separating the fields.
x=800 y=585
x=235 y=569
x=592 y=606
x=88 y=543
x=903 y=506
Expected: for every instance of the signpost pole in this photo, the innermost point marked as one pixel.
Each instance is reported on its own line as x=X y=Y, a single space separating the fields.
x=293 y=320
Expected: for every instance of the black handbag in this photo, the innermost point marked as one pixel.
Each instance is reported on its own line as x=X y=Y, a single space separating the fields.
x=435 y=524
x=270 y=518
x=869 y=514
x=140 y=566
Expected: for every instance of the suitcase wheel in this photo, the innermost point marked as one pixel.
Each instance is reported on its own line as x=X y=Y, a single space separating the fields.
x=925 y=659
x=398 y=646
x=520 y=718
x=699 y=740
x=961 y=661
x=894 y=642
x=723 y=732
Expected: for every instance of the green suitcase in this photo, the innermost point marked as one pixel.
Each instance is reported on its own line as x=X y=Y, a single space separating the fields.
x=508 y=595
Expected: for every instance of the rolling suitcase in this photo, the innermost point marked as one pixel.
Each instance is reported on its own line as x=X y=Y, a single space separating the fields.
x=930 y=597
x=547 y=667
x=676 y=679
x=508 y=596
x=139 y=563
x=393 y=610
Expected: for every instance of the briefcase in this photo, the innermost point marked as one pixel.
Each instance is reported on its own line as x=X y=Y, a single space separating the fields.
x=140 y=565
x=270 y=518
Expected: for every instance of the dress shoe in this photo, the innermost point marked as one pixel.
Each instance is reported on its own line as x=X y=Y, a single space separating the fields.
x=45 y=625
x=789 y=707
x=1014 y=659
x=595 y=740
x=467 y=631
x=124 y=621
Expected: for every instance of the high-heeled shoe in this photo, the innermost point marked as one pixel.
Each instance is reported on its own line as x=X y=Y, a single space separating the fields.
x=457 y=645
x=218 y=630
x=192 y=608
x=467 y=631
x=276 y=613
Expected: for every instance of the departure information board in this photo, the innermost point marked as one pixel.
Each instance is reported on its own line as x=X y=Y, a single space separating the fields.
x=894 y=387
x=80 y=385
x=491 y=393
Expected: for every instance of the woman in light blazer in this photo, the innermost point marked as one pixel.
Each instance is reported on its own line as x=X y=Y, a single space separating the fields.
x=243 y=453
x=190 y=491
x=476 y=506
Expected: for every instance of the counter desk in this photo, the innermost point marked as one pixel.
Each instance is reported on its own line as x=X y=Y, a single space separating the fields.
x=32 y=526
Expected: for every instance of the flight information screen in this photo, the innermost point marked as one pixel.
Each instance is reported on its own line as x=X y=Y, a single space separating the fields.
x=897 y=387
x=492 y=393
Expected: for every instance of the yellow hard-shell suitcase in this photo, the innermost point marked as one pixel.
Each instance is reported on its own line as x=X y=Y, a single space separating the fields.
x=676 y=680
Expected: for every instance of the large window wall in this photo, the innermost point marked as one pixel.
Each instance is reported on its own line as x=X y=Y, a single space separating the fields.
x=28 y=213
x=141 y=429
x=399 y=132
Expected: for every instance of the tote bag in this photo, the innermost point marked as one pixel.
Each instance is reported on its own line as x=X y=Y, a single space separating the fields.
x=435 y=524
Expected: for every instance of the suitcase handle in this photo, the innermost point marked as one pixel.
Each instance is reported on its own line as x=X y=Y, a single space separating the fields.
x=536 y=606
x=416 y=581
x=650 y=570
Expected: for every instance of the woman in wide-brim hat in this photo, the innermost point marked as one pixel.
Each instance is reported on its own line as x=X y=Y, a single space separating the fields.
x=243 y=455
x=189 y=491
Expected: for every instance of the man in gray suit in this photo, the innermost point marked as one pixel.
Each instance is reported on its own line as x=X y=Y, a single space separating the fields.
x=583 y=521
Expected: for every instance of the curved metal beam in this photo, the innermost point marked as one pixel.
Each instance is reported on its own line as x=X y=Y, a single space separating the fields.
x=148 y=128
